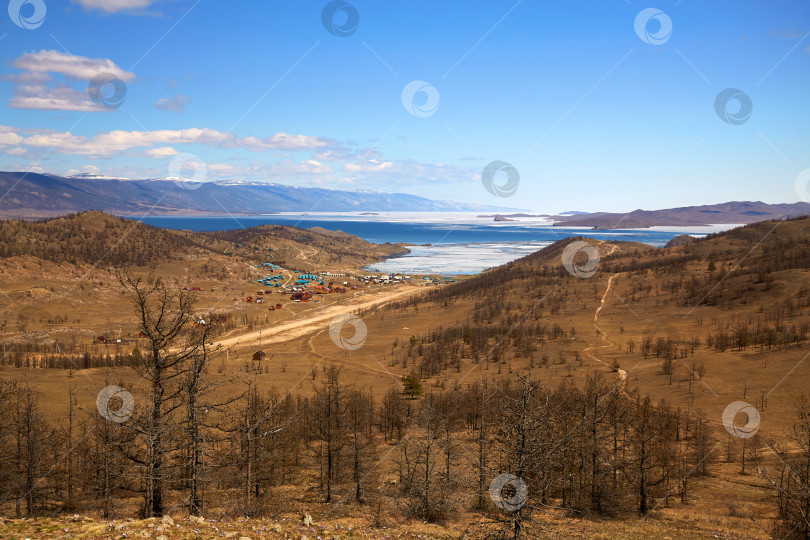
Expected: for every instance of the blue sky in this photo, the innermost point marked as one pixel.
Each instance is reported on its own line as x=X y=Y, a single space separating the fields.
x=592 y=114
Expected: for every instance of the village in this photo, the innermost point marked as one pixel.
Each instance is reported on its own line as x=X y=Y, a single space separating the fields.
x=282 y=288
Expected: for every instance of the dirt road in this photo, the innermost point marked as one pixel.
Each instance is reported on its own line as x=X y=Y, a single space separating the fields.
x=311 y=323
x=603 y=335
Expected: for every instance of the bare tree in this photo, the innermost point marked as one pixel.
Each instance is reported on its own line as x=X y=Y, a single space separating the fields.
x=793 y=478
x=329 y=427
x=164 y=317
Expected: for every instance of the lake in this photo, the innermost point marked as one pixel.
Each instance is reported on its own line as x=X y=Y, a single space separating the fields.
x=460 y=242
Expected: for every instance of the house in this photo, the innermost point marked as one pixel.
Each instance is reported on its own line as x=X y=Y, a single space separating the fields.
x=196 y=289
x=142 y=334
x=249 y=299
x=258 y=356
x=101 y=339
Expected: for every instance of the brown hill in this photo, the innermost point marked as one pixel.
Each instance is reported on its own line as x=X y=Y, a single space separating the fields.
x=730 y=212
x=103 y=240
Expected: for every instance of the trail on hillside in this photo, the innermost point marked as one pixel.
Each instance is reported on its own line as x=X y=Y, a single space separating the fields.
x=601 y=334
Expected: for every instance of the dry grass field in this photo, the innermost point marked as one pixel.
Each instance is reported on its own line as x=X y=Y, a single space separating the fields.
x=698 y=326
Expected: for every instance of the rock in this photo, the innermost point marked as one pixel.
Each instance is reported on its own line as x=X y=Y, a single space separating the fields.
x=306 y=520
x=167 y=520
x=244 y=538
x=197 y=519
x=276 y=528
x=161 y=537
x=304 y=537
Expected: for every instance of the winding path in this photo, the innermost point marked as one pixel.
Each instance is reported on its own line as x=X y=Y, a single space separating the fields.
x=601 y=334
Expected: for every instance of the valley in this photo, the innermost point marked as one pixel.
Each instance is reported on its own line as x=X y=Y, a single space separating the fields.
x=692 y=328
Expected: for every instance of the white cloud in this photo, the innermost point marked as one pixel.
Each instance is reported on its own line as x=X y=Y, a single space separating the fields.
x=114 y=6
x=279 y=141
x=295 y=168
x=161 y=152
x=75 y=67
x=371 y=165
x=113 y=142
x=47 y=98
x=35 y=87
x=173 y=104
x=407 y=173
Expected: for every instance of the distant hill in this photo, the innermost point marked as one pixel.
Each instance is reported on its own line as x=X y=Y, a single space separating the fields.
x=41 y=195
x=741 y=212
x=105 y=240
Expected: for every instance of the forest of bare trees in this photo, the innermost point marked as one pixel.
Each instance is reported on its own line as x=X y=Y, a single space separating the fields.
x=177 y=442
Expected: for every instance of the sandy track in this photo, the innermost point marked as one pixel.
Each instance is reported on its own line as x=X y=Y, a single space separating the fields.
x=603 y=335
x=304 y=325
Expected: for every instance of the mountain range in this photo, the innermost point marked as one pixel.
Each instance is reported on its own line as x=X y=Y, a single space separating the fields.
x=734 y=212
x=33 y=195
x=29 y=195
